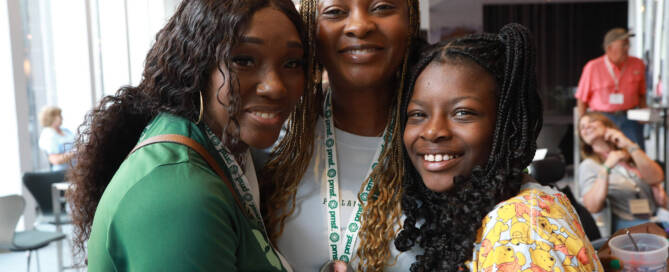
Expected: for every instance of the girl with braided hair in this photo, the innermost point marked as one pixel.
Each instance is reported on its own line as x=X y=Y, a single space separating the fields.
x=164 y=179
x=332 y=187
x=470 y=119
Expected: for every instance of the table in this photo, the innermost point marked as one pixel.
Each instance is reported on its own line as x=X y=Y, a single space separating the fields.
x=57 y=200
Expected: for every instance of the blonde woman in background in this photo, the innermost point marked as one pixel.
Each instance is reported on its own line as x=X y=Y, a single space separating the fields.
x=55 y=141
x=616 y=170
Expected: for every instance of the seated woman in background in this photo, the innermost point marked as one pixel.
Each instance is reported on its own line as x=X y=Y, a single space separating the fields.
x=617 y=170
x=471 y=118
x=221 y=77
x=55 y=141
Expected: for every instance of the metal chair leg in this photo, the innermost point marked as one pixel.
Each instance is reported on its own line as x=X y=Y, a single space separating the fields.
x=29 y=253
x=59 y=255
x=37 y=260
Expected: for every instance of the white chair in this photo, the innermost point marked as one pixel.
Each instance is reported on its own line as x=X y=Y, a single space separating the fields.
x=11 y=209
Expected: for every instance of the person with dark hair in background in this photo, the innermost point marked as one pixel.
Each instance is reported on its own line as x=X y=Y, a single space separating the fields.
x=335 y=195
x=470 y=120
x=55 y=140
x=614 y=83
x=615 y=170
x=164 y=179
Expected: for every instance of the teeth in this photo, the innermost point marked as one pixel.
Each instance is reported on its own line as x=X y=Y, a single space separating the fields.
x=438 y=157
x=265 y=115
x=361 y=51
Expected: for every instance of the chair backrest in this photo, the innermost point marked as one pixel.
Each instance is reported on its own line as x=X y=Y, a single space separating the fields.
x=11 y=209
x=548 y=171
x=39 y=185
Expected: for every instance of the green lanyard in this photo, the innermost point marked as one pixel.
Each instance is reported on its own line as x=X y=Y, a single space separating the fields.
x=240 y=181
x=341 y=248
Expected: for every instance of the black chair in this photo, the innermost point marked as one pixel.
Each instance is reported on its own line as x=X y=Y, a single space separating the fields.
x=552 y=169
x=39 y=186
x=11 y=209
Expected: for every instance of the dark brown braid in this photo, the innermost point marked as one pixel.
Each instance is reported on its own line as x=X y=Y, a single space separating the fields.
x=446 y=236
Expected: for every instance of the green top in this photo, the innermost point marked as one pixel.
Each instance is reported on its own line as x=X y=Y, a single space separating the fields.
x=165 y=209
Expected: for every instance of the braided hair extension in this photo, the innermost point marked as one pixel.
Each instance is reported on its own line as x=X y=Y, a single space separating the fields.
x=446 y=236
x=195 y=42
x=290 y=159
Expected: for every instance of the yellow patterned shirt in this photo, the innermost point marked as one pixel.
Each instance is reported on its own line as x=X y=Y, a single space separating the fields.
x=536 y=231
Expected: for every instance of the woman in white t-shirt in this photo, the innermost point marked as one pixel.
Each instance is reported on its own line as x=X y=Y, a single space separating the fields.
x=55 y=141
x=336 y=139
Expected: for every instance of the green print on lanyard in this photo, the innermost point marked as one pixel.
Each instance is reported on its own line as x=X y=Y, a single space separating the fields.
x=243 y=189
x=239 y=180
x=336 y=240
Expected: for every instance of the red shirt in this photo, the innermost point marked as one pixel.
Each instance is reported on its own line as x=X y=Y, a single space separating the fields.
x=596 y=84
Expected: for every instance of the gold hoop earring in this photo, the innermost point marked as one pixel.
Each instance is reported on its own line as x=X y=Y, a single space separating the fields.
x=199 y=117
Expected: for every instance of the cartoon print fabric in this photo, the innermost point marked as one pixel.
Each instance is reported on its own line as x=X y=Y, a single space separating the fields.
x=535 y=231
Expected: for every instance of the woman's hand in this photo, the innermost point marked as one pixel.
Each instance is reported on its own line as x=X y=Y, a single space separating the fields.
x=650 y=171
x=617 y=138
x=615 y=157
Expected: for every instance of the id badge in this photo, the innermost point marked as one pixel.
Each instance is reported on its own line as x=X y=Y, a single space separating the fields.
x=616 y=98
x=639 y=206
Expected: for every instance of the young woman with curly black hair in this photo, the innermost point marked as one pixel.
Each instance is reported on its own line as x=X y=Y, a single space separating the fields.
x=221 y=77
x=470 y=121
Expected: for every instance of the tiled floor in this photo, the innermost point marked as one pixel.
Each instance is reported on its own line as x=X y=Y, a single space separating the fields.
x=17 y=261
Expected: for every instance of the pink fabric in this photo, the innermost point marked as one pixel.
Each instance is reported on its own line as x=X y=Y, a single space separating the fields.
x=596 y=84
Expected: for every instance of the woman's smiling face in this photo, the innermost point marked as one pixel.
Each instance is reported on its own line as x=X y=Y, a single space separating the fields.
x=591 y=129
x=268 y=63
x=450 y=122
x=362 y=41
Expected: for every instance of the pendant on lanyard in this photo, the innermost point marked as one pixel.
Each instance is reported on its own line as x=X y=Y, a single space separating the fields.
x=336 y=266
x=640 y=206
x=340 y=246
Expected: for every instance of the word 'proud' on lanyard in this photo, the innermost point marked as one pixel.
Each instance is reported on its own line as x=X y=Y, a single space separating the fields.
x=341 y=247
x=243 y=188
x=239 y=180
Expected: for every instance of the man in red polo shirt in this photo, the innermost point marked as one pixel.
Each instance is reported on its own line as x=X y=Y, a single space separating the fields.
x=615 y=83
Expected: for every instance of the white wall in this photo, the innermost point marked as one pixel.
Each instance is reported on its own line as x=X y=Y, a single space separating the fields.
x=11 y=83
x=13 y=103
x=114 y=45
x=424 y=6
x=71 y=63
x=124 y=48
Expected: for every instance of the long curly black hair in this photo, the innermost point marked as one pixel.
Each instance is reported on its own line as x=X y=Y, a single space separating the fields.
x=450 y=220
x=195 y=43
